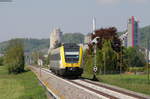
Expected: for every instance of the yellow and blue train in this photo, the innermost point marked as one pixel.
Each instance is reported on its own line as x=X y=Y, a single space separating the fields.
x=67 y=60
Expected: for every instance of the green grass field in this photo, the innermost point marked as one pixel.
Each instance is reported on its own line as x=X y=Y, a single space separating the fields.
x=21 y=86
x=136 y=83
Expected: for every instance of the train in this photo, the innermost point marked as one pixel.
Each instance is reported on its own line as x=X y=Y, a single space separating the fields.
x=66 y=60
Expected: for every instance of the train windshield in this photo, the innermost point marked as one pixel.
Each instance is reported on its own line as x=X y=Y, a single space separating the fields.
x=72 y=58
x=71 y=53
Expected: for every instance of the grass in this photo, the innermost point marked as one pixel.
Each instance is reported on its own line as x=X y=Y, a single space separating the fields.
x=21 y=86
x=137 y=83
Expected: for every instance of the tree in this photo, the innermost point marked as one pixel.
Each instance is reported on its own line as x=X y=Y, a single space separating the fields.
x=1 y=61
x=108 y=50
x=47 y=60
x=100 y=62
x=88 y=63
x=35 y=56
x=107 y=34
x=14 y=57
x=109 y=58
x=134 y=57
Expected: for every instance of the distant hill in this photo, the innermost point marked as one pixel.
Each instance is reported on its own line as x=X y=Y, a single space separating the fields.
x=73 y=38
x=43 y=44
x=29 y=44
x=145 y=34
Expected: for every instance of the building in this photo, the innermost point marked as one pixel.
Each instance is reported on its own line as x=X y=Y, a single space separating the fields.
x=1 y=55
x=146 y=53
x=40 y=62
x=55 y=38
x=133 y=37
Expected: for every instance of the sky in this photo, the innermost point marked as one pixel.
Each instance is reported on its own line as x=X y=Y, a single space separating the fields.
x=37 y=18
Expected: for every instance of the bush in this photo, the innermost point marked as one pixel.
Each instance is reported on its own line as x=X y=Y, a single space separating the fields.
x=88 y=64
x=1 y=61
x=14 y=57
x=136 y=69
x=134 y=58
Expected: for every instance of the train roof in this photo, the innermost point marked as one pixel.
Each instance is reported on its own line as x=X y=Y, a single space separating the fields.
x=66 y=46
x=70 y=45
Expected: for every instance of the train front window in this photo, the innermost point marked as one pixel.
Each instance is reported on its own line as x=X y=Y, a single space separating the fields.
x=71 y=52
x=71 y=58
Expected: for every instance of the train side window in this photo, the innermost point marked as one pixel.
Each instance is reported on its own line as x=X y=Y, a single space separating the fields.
x=55 y=56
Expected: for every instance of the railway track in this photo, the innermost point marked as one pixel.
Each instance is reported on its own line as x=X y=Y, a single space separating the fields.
x=107 y=91
x=116 y=90
x=99 y=90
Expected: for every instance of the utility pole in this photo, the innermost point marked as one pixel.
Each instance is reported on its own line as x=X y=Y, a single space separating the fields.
x=95 y=54
x=148 y=60
x=95 y=48
x=95 y=63
x=121 y=60
x=104 y=63
x=39 y=64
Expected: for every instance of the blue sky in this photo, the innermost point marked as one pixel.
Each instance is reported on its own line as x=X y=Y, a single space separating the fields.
x=37 y=18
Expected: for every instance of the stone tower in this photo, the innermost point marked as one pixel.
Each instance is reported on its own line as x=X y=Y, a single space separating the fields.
x=55 y=38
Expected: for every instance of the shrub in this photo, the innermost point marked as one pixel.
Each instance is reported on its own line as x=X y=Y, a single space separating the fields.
x=14 y=57
x=1 y=61
x=136 y=69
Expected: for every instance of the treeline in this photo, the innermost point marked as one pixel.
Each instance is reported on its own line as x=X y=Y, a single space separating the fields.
x=145 y=34
x=31 y=45
x=111 y=57
x=73 y=38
